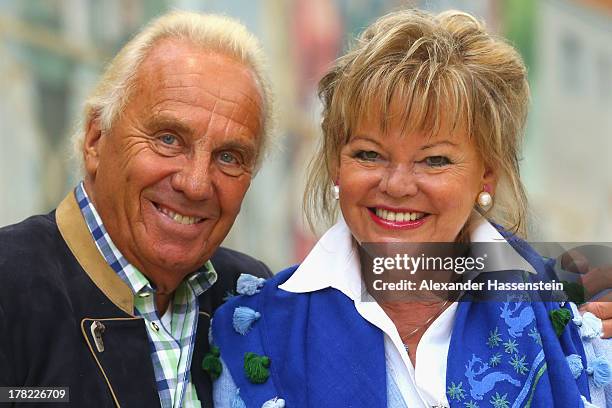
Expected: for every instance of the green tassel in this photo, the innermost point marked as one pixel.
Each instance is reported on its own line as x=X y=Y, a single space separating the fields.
x=256 y=368
x=575 y=292
x=560 y=318
x=211 y=363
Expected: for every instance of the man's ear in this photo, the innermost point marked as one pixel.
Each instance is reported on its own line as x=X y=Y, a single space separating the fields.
x=91 y=145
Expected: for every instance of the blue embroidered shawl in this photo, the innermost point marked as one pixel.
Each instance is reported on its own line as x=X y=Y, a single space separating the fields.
x=324 y=354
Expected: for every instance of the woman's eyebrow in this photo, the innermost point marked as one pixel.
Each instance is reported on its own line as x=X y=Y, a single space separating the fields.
x=364 y=138
x=442 y=142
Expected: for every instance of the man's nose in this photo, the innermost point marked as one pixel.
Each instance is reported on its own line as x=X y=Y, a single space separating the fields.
x=194 y=179
x=399 y=181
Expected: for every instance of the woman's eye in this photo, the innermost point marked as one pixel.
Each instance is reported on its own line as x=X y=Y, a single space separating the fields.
x=169 y=139
x=367 y=155
x=437 y=161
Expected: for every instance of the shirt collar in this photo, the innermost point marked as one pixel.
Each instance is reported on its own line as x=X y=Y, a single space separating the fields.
x=200 y=280
x=334 y=261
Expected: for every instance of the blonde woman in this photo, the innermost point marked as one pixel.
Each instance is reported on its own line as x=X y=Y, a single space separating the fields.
x=422 y=128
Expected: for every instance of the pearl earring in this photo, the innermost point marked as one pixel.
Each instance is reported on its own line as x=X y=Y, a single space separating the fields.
x=336 y=191
x=485 y=200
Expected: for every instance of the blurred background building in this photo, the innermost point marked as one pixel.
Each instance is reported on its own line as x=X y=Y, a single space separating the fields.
x=52 y=51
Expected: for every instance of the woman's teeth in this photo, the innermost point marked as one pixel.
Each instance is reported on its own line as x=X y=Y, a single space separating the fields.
x=181 y=219
x=398 y=216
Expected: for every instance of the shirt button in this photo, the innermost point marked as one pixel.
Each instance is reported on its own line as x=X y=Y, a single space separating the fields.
x=144 y=294
x=154 y=326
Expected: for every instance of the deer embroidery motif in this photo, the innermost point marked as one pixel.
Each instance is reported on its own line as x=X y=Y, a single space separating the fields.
x=516 y=324
x=478 y=388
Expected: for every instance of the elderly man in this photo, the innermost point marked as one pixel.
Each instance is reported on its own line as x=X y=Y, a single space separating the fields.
x=111 y=294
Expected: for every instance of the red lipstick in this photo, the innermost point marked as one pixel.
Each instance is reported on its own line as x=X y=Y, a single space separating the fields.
x=397 y=224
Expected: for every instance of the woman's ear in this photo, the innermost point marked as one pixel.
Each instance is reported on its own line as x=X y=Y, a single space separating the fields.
x=91 y=145
x=334 y=171
x=489 y=178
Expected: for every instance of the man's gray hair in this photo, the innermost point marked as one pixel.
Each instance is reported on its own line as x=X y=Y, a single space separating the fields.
x=212 y=32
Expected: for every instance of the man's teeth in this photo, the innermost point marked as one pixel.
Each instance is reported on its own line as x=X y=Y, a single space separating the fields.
x=398 y=216
x=181 y=219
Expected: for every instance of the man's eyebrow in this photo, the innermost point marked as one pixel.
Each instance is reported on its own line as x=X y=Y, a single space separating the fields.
x=159 y=122
x=442 y=142
x=245 y=145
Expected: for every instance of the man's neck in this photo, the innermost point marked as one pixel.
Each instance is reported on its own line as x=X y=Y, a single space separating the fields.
x=162 y=300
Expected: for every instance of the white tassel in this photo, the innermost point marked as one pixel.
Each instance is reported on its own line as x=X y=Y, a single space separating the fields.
x=575 y=364
x=592 y=326
x=274 y=403
x=237 y=402
x=577 y=316
x=587 y=404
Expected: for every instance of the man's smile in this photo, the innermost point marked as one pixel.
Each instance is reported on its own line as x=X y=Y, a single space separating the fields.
x=176 y=216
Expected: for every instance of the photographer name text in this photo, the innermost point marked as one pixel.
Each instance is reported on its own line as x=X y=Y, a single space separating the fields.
x=492 y=285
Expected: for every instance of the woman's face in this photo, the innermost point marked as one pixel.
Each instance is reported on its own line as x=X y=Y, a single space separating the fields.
x=398 y=187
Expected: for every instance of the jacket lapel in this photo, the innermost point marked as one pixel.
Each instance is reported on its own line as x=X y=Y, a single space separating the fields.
x=121 y=349
x=199 y=377
x=119 y=344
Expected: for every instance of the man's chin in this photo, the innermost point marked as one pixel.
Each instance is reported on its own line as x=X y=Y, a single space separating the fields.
x=179 y=262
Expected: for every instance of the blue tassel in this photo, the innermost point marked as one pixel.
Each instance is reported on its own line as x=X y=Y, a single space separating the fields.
x=591 y=327
x=249 y=284
x=274 y=403
x=244 y=317
x=237 y=402
x=600 y=369
x=575 y=364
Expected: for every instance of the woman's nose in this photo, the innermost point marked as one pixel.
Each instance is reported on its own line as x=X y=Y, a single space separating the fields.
x=399 y=181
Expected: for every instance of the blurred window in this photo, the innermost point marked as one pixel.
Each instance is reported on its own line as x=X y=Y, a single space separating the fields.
x=604 y=73
x=572 y=60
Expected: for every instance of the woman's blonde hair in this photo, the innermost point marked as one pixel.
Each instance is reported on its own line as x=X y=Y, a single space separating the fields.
x=212 y=32
x=438 y=65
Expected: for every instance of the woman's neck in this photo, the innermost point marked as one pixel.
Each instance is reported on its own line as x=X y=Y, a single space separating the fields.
x=412 y=320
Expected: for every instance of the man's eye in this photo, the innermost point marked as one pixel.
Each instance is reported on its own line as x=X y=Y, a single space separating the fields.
x=231 y=163
x=367 y=155
x=169 y=139
x=228 y=158
x=437 y=161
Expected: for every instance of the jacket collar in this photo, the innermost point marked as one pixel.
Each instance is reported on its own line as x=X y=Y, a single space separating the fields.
x=74 y=230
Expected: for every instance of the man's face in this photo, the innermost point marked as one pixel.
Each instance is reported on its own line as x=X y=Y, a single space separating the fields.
x=169 y=177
